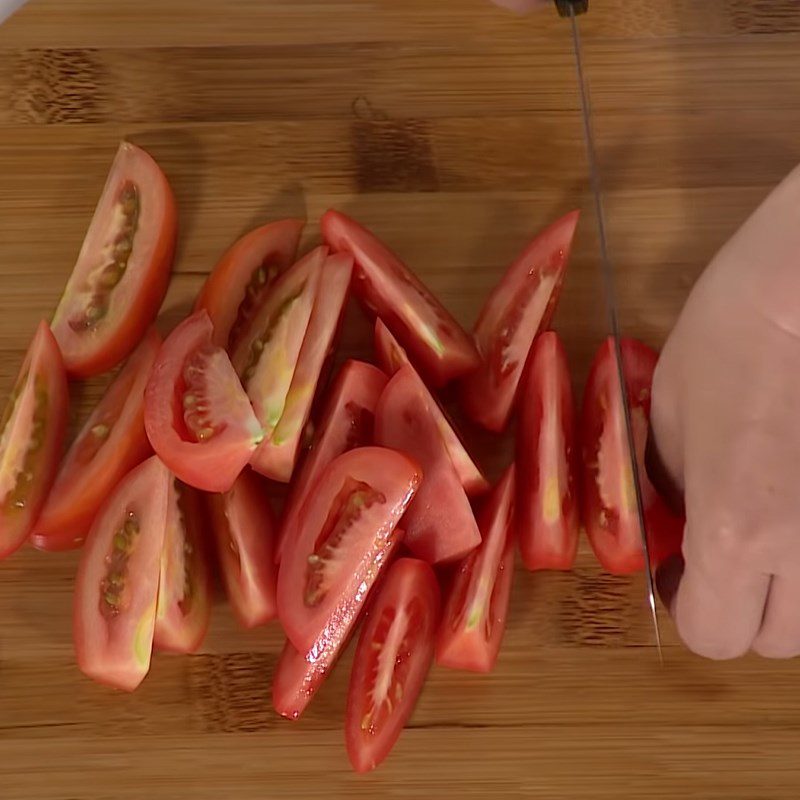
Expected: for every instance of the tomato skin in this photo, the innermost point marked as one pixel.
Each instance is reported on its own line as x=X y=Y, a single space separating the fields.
x=612 y=523
x=402 y=623
x=116 y=650
x=391 y=290
x=514 y=313
x=134 y=302
x=93 y=467
x=184 y=559
x=41 y=378
x=211 y=465
x=271 y=247
x=345 y=535
x=346 y=422
x=244 y=532
x=276 y=455
x=474 y=619
x=440 y=526
x=391 y=358
x=547 y=481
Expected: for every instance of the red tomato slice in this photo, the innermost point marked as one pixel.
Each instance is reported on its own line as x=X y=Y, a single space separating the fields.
x=520 y=306
x=347 y=422
x=31 y=438
x=122 y=272
x=110 y=444
x=394 y=654
x=184 y=590
x=389 y=289
x=276 y=456
x=116 y=590
x=345 y=534
x=245 y=274
x=547 y=494
x=475 y=615
x=392 y=357
x=440 y=526
x=244 y=531
x=297 y=677
x=265 y=356
x=196 y=413
x=609 y=499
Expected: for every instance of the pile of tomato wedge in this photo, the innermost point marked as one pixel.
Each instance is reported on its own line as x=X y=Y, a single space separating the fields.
x=389 y=522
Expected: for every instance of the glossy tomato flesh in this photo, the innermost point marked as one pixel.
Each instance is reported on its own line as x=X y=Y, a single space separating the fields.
x=474 y=618
x=110 y=444
x=244 y=276
x=391 y=358
x=345 y=534
x=609 y=497
x=122 y=272
x=184 y=590
x=266 y=354
x=394 y=654
x=196 y=414
x=298 y=677
x=277 y=454
x=520 y=306
x=244 y=533
x=31 y=438
x=391 y=290
x=440 y=525
x=347 y=421
x=116 y=591
x=547 y=482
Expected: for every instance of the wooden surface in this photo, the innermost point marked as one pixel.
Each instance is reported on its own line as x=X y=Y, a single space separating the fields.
x=454 y=130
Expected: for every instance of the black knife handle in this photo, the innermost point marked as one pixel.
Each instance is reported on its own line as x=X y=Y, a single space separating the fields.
x=567 y=8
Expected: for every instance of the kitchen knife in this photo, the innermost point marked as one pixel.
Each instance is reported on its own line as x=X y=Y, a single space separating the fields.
x=571 y=9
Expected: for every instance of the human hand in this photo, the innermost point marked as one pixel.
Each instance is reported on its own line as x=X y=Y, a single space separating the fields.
x=726 y=425
x=521 y=6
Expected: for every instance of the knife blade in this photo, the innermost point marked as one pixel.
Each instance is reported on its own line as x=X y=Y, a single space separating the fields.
x=571 y=9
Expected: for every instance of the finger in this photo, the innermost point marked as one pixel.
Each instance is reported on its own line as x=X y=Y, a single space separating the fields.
x=779 y=636
x=719 y=603
x=521 y=6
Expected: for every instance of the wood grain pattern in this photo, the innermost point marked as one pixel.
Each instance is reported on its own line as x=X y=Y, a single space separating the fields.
x=454 y=130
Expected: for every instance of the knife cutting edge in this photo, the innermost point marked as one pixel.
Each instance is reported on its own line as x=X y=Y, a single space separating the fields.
x=571 y=9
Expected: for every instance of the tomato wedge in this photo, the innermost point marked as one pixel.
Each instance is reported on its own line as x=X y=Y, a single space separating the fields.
x=184 y=592
x=391 y=358
x=390 y=290
x=110 y=444
x=609 y=499
x=297 y=677
x=345 y=535
x=520 y=306
x=244 y=531
x=440 y=526
x=31 y=438
x=474 y=618
x=266 y=354
x=394 y=654
x=276 y=456
x=347 y=422
x=547 y=492
x=196 y=413
x=116 y=590
x=122 y=272
x=245 y=274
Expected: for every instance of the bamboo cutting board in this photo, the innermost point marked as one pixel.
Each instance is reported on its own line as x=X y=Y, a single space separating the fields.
x=453 y=129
